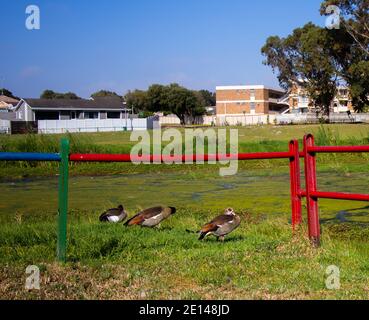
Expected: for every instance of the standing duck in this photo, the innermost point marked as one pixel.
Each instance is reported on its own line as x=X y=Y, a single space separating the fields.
x=151 y=217
x=221 y=225
x=115 y=215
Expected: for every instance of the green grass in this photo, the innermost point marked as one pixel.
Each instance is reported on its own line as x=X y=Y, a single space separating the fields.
x=261 y=260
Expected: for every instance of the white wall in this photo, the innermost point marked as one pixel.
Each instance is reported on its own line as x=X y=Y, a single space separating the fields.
x=90 y=125
x=4 y=126
x=25 y=113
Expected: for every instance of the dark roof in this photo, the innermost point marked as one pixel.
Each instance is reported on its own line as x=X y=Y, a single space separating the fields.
x=8 y=99
x=97 y=103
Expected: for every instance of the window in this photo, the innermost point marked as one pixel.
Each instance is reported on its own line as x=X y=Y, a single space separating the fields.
x=274 y=95
x=252 y=106
x=252 y=93
x=113 y=115
x=91 y=115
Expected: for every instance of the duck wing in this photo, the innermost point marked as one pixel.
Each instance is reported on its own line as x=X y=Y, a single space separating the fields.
x=109 y=213
x=216 y=223
x=144 y=215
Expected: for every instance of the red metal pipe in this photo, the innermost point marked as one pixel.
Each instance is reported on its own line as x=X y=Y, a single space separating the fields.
x=177 y=159
x=340 y=196
x=311 y=187
x=339 y=149
x=336 y=195
x=295 y=178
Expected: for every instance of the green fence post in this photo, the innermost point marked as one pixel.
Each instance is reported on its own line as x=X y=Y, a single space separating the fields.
x=63 y=200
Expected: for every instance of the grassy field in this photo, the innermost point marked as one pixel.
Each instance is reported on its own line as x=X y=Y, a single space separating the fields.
x=261 y=260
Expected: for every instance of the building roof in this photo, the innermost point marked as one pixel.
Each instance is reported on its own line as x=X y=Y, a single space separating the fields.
x=249 y=87
x=8 y=100
x=76 y=104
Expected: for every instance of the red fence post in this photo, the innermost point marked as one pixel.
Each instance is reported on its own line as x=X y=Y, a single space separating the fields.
x=311 y=187
x=295 y=178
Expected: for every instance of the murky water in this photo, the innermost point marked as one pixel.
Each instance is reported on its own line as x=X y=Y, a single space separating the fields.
x=256 y=194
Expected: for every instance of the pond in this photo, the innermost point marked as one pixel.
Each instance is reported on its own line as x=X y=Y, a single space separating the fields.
x=258 y=194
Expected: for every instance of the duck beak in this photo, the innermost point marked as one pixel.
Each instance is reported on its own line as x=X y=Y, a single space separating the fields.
x=174 y=210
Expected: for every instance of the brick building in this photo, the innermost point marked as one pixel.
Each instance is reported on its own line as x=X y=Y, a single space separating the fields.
x=256 y=99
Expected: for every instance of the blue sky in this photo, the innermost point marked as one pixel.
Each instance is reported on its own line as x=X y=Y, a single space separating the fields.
x=84 y=46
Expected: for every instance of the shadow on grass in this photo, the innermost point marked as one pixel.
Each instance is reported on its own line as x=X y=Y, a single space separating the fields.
x=227 y=240
x=346 y=216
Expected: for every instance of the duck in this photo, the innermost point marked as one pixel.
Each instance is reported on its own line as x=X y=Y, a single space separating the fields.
x=221 y=225
x=115 y=215
x=151 y=217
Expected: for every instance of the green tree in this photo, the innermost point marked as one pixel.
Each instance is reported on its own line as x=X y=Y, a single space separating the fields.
x=157 y=96
x=8 y=93
x=48 y=94
x=105 y=93
x=208 y=98
x=137 y=100
x=302 y=58
x=354 y=18
x=184 y=103
x=350 y=47
x=51 y=95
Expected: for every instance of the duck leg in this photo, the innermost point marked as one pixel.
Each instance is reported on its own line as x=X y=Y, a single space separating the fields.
x=221 y=239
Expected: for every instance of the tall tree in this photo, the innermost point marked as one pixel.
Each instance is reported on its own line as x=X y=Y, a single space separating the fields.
x=157 y=96
x=354 y=18
x=350 y=47
x=208 y=98
x=184 y=103
x=137 y=100
x=302 y=58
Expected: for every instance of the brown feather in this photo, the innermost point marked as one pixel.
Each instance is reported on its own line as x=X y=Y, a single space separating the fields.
x=140 y=217
x=137 y=220
x=210 y=227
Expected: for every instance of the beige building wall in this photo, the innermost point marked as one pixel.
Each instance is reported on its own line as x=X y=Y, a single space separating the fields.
x=240 y=100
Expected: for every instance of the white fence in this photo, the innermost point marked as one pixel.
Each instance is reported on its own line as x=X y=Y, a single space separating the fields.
x=91 y=125
x=246 y=120
x=296 y=119
x=4 y=126
x=280 y=119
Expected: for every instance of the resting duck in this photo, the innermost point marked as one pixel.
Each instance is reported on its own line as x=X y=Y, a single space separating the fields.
x=221 y=225
x=151 y=217
x=115 y=215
